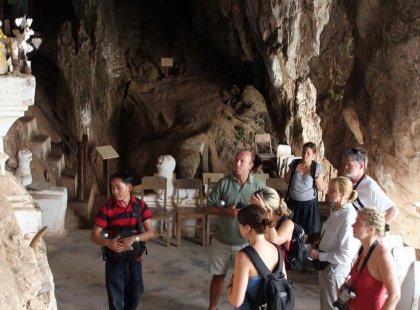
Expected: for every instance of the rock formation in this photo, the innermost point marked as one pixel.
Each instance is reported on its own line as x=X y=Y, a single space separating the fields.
x=337 y=73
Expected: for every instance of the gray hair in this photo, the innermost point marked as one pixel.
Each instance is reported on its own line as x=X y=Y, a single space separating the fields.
x=357 y=154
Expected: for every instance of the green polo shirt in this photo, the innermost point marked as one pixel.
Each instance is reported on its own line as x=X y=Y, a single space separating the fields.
x=229 y=190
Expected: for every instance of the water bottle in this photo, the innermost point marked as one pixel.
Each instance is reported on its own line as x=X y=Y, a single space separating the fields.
x=220 y=204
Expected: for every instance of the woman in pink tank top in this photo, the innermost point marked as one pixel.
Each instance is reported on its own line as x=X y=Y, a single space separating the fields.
x=373 y=281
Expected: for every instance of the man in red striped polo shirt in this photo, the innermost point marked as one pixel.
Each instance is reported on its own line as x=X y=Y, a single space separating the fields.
x=118 y=217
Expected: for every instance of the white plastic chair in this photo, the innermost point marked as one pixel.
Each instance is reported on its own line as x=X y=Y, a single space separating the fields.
x=410 y=288
x=392 y=241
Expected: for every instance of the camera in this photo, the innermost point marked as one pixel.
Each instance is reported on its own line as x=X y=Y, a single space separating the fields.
x=346 y=294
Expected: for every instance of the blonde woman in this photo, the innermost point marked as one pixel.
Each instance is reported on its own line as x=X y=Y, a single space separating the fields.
x=282 y=230
x=337 y=247
x=372 y=278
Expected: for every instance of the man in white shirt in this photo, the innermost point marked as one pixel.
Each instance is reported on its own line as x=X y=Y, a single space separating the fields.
x=370 y=193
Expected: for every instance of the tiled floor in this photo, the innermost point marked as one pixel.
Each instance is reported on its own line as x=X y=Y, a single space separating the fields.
x=175 y=278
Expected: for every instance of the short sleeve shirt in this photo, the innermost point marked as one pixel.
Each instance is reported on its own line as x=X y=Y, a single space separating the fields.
x=114 y=216
x=371 y=195
x=302 y=186
x=230 y=191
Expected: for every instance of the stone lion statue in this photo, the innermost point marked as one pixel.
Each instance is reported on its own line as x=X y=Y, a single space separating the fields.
x=23 y=172
x=165 y=168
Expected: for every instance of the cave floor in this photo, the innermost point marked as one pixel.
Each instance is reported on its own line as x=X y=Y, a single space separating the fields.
x=174 y=277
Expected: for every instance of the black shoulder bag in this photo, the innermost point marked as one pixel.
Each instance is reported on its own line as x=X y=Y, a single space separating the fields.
x=138 y=248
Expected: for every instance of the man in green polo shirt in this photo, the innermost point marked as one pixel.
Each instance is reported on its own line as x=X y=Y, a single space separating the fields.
x=234 y=190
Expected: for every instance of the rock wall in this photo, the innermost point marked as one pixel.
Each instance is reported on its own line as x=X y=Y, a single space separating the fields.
x=285 y=36
x=26 y=280
x=339 y=73
x=371 y=97
x=91 y=83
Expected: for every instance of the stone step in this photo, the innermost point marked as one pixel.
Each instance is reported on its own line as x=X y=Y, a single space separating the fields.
x=19 y=199
x=43 y=123
x=86 y=211
x=48 y=152
x=30 y=124
x=27 y=207
x=41 y=146
x=80 y=209
x=68 y=179
x=56 y=164
x=29 y=219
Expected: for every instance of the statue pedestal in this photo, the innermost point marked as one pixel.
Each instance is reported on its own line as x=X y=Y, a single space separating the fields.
x=17 y=92
x=27 y=214
x=53 y=202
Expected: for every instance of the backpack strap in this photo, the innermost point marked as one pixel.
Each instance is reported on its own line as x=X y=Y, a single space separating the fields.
x=137 y=206
x=283 y=219
x=313 y=171
x=293 y=166
x=259 y=264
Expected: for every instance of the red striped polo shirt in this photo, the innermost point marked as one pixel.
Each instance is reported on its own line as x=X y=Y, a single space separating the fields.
x=114 y=216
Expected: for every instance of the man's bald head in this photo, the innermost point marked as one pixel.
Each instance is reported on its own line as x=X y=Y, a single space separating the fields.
x=244 y=161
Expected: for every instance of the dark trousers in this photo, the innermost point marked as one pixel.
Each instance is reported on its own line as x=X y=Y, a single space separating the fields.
x=124 y=284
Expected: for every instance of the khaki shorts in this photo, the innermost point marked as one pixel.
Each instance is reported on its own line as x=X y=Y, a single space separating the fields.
x=222 y=256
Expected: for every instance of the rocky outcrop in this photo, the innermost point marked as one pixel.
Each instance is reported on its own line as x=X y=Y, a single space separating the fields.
x=26 y=280
x=334 y=72
x=372 y=97
x=391 y=37
x=339 y=74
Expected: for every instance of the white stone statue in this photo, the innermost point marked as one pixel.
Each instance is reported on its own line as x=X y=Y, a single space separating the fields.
x=165 y=168
x=23 y=172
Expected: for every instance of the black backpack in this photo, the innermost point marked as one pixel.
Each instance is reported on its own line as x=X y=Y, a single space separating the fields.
x=275 y=293
x=297 y=254
x=293 y=167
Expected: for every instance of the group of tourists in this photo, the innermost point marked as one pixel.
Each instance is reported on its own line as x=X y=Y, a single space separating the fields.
x=355 y=269
x=360 y=213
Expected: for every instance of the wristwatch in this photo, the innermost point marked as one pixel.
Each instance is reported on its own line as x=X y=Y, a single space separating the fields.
x=137 y=238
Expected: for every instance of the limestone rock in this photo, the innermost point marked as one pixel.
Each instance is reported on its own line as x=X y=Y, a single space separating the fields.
x=22 y=281
x=335 y=72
